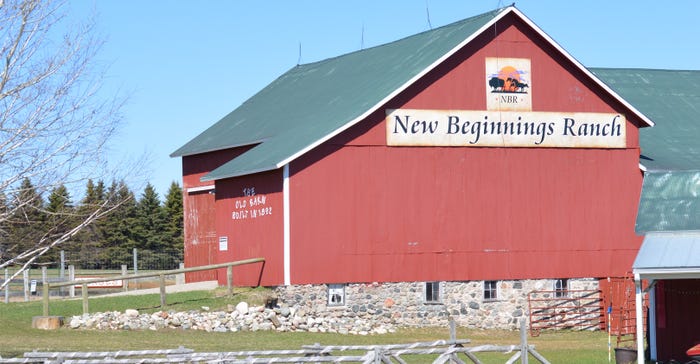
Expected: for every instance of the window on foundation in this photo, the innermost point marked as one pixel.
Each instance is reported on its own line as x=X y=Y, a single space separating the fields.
x=490 y=290
x=432 y=292
x=336 y=295
x=561 y=287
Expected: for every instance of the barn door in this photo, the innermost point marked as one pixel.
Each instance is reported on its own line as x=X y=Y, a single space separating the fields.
x=201 y=242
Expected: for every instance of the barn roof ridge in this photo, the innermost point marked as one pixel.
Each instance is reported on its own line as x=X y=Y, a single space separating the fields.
x=287 y=131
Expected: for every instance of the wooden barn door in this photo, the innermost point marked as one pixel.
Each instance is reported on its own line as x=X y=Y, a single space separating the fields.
x=201 y=243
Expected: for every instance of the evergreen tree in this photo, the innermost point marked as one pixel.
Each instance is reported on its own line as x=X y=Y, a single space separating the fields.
x=59 y=200
x=27 y=225
x=174 y=214
x=151 y=229
x=119 y=235
x=4 y=227
x=85 y=248
x=60 y=216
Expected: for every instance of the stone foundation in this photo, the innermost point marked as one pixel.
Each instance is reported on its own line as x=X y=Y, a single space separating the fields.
x=404 y=304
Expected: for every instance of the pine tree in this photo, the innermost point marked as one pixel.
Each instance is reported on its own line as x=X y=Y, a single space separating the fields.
x=85 y=248
x=4 y=227
x=27 y=225
x=174 y=214
x=60 y=216
x=119 y=236
x=151 y=229
x=59 y=200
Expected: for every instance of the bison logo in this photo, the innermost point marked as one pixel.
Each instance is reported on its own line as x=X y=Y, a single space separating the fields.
x=508 y=79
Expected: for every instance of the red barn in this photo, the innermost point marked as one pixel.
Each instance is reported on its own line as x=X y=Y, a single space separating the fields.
x=479 y=154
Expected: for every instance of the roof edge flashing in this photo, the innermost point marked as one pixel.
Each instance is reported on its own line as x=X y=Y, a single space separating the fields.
x=175 y=154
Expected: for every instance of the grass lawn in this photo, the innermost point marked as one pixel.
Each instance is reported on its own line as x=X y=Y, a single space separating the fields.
x=17 y=336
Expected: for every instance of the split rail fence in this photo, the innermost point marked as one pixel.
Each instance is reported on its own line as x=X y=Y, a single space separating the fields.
x=443 y=350
x=161 y=274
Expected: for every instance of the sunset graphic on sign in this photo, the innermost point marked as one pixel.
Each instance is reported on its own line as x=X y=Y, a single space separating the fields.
x=508 y=79
x=508 y=84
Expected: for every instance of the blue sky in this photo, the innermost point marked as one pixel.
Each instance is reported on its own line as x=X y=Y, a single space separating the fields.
x=186 y=64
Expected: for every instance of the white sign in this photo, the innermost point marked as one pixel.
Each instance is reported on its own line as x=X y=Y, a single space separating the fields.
x=466 y=128
x=107 y=284
x=223 y=243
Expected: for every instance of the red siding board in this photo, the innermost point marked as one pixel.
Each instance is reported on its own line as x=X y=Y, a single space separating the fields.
x=258 y=229
x=486 y=211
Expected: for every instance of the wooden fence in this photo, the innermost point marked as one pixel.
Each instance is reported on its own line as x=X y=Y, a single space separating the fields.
x=161 y=274
x=443 y=350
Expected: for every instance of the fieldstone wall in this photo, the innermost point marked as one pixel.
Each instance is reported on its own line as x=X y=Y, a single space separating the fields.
x=403 y=304
x=375 y=308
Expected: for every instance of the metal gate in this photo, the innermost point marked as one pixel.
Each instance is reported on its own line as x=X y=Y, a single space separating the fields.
x=565 y=309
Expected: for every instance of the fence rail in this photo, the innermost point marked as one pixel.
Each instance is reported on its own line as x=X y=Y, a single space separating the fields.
x=444 y=350
x=24 y=283
x=161 y=275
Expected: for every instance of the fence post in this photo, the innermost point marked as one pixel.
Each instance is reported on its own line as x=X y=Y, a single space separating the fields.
x=229 y=280
x=136 y=261
x=25 y=279
x=162 y=291
x=524 y=352
x=84 y=293
x=71 y=277
x=44 y=275
x=180 y=277
x=62 y=271
x=125 y=282
x=7 y=286
x=45 y=298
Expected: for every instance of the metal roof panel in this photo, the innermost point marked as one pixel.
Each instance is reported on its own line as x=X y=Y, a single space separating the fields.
x=670 y=201
x=669 y=250
x=670 y=98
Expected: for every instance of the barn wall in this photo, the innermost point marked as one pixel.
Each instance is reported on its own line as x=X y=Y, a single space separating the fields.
x=365 y=212
x=249 y=213
x=677 y=321
x=199 y=210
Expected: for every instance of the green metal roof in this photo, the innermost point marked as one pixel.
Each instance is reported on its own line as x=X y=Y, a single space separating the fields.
x=670 y=202
x=312 y=101
x=672 y=100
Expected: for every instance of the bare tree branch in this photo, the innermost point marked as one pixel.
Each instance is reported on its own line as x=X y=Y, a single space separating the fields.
x=54 y=121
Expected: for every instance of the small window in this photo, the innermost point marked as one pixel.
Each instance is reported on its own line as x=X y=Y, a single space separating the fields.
x=561 y=288
x=336 y=295
x=432 y=292
x=490 y=290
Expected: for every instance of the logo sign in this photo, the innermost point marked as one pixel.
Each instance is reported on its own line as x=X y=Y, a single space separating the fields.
x=407 y=127
x=508 y=84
